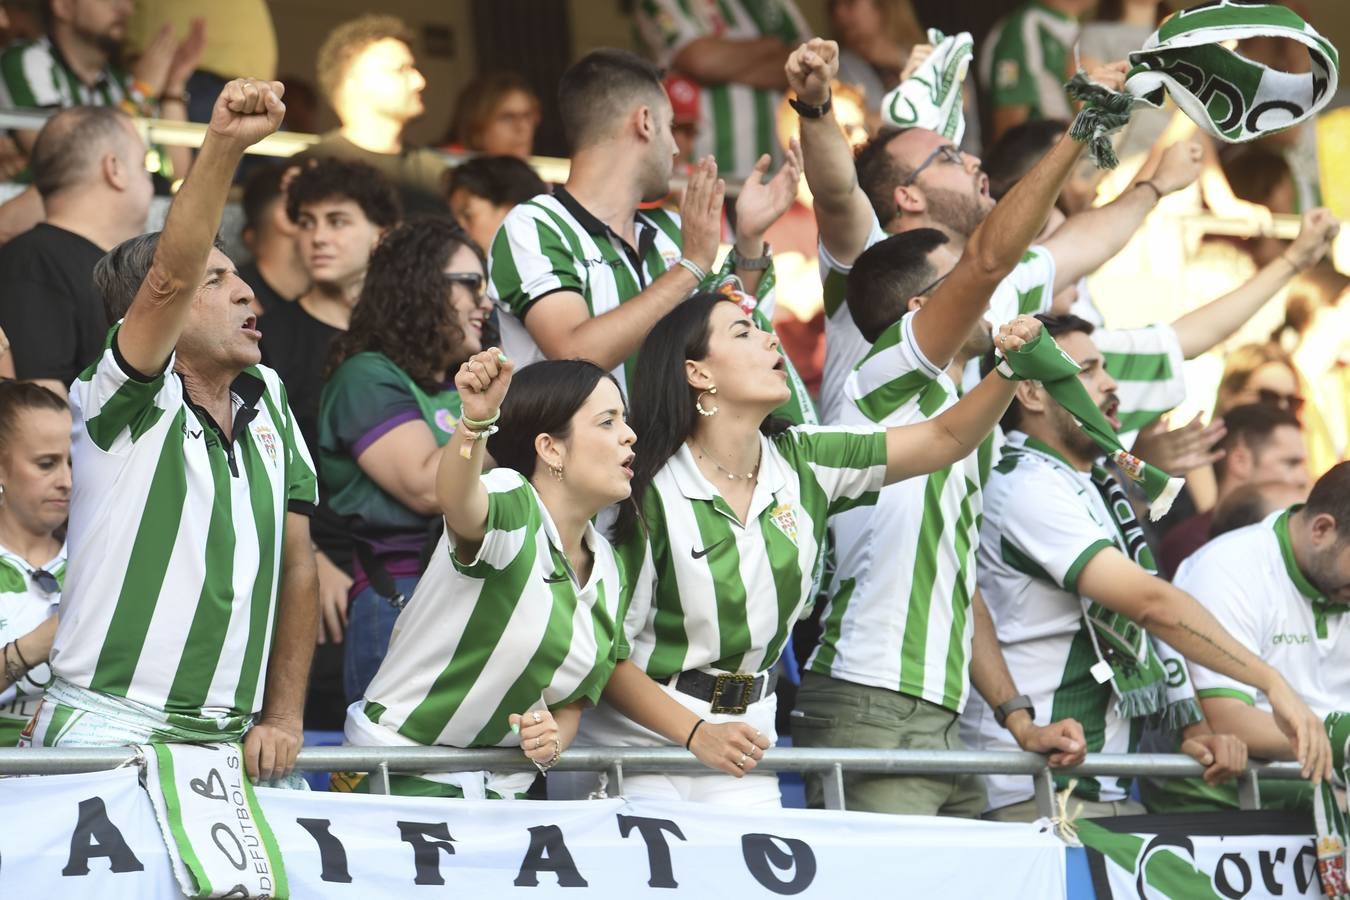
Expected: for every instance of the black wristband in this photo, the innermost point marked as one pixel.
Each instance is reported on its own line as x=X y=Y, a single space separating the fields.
x=690 y=739
x=26 y=664
x=807 y=111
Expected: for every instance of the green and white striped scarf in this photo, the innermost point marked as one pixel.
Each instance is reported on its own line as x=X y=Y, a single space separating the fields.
x=1233 y=98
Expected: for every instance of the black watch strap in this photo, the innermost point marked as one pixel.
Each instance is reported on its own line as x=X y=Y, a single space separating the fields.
x=807 y=111
x=1003 y=710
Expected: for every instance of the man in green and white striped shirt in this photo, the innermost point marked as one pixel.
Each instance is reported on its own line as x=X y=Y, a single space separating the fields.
x=190 y=606
x=735 y=50
x=903 y=613
x=583 y=273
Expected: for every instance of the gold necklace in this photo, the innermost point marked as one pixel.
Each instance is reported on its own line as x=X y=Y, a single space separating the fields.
x=725 y=471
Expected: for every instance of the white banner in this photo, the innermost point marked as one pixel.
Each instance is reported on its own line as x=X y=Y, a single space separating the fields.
x=95 y=836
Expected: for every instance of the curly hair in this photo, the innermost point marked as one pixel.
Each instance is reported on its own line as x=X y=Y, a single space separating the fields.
x=403 y=312
x=331 y=178
x=348 y=41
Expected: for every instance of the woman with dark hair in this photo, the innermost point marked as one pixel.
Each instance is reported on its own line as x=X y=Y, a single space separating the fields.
x=727 y=527
x=34 y=502
x=517 y=624
x=496 y=115
x=387 y=409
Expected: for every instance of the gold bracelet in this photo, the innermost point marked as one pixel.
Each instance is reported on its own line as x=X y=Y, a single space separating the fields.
x=552 y=761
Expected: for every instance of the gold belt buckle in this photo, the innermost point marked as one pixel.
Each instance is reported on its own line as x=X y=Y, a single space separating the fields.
x=746 y=684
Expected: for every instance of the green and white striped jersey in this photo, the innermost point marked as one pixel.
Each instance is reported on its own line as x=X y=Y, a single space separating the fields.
x=1027 y=290
x=552 y=243
x=1025 y=60
x=737 y=122
x=175 y=539
x=24 y=605
x=510 y=631
x=33 y=74
x=899 y=611
x=1044 y=521
x=713 y=593
x=1147 y=366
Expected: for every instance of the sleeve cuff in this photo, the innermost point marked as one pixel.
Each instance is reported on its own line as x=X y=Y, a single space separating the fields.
x=530 y=302
x=127 y=368
x=1076 y=568
x=302 y=507
x=1233 y=693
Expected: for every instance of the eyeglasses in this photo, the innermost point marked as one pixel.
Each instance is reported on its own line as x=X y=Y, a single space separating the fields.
x=472 y=280
x=1292 y=402
x=946 y=152
x=47 y=581
x=932 y=287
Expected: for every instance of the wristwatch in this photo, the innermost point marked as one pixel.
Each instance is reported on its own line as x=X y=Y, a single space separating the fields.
x=807 y=111
x=754 y=264
x=1003 y=710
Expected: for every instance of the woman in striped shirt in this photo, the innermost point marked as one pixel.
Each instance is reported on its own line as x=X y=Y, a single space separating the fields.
x=726 y=533
x=516 y=624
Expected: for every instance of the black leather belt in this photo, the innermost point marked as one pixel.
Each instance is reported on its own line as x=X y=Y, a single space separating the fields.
x=729 y=692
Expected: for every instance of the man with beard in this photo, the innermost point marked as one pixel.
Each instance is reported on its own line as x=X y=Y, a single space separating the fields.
x=896 y=675
x=1076 y=605
x=916 y=178
x=583 y=273
x=1282 y=587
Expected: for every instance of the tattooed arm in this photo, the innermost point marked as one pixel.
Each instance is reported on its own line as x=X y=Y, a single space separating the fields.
x=1119 y=584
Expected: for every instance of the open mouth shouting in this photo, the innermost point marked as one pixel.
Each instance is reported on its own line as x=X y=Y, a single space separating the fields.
x=250 y=327
x=627 y=465
x=1110 y=408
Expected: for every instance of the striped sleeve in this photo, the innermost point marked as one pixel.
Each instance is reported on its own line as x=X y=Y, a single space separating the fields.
x=119 y=405
x=512 y=517
x=29 y=76
x=666 y=27
x=894 y=375
x=530 y=258
x=637 y=573
x=1147 y=364
x=849 y=464
x=1047 y=530
x=1223 y=585
x=1029 y=289
x=302 y=484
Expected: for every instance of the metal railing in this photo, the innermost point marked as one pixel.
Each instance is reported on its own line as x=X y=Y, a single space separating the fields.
x=615 y=762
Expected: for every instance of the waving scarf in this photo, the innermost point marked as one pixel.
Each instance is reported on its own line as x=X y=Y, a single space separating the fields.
x=931 y=97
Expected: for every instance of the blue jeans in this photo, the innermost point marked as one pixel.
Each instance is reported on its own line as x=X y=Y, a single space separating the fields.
x=370 y=621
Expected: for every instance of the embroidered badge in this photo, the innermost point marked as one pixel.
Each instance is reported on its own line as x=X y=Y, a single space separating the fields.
x=731 y=289
x=786 y=520
x=445 y=421
x=267 y=439
x=670 y=258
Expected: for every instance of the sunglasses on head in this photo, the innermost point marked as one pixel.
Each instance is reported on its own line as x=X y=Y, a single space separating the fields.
x=472 y=280
x=1291 y=402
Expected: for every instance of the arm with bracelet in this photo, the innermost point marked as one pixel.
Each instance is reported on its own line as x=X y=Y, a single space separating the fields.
x=21 y=655
x=482 y=382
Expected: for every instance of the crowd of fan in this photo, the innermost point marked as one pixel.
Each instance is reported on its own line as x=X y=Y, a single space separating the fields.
x=873 y=514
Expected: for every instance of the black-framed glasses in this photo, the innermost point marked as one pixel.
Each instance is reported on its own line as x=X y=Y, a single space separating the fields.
x=474 y=281
x=947 y=152
x=932 y=287
x=47 y=581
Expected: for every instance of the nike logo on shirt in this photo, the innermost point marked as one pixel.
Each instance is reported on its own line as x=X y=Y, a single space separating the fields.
x=699 y=554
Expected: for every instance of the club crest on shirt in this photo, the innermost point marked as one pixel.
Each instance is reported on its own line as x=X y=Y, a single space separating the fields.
x=670 y=258
x=267 y=439
x=785 y=518
x=733 y=291
x=445 y=420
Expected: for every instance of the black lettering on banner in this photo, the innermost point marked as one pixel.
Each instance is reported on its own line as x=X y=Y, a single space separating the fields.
x=765 y=859
x=1239 y=867
x=548 y=853
x=332 y=855
x=204 y=788
x=1180 y=845
x=1260 y=109
x=1268 y=862
x=653 y=833
x=96 y=835
x=427 y=840
x=1305 y=868
x=242 y=863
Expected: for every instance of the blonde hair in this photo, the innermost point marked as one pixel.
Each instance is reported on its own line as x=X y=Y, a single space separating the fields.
x=348 y=41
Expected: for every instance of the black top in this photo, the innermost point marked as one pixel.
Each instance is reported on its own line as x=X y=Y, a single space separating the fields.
x=266 y=294
x=50 y=312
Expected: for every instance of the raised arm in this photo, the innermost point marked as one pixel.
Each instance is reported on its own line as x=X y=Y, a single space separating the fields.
x=245 y=112
x=1171 y=614
x=561 y=323
x=942 y=324
x=757 y=62
x=843 y=213
x=1087 y=240
x=957 y=432
x=1203 y=328
x=482 y=383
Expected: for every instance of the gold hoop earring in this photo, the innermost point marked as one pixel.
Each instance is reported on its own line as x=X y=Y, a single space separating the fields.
x=698 y=403
x=557 y=472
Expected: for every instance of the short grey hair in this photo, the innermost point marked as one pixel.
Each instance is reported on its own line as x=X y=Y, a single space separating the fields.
x=119 y=274
x=70 y=147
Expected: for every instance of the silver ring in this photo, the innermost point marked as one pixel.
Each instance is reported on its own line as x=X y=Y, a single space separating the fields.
x=538 y=742
x=537 y=717
x=741 y=764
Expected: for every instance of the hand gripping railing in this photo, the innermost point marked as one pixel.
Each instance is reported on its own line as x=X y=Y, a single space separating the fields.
x=382 y=761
